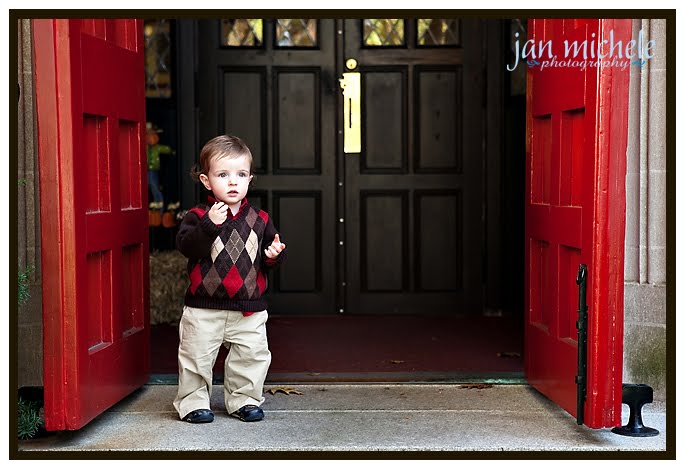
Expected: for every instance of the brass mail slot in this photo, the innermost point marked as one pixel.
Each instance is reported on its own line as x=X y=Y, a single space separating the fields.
x=351 y=90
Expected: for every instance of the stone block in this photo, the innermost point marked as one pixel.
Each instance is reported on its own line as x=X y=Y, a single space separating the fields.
x=645 y=357
x=658 y=34
x=30 y=356
x=645 y=303
x=657 y=117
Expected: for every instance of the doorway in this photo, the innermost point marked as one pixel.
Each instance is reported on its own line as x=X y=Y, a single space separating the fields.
x=407 y=252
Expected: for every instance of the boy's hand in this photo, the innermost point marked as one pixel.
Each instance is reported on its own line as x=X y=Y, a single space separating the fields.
x=275 y=248
x=218 y=213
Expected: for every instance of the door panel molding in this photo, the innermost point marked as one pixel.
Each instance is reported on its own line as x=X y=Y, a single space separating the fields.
x=243 y=109
x=440 y=244
x=387 y=153
x=382 y=212
x=438 y=123
x=295 y=133
x=302 y=221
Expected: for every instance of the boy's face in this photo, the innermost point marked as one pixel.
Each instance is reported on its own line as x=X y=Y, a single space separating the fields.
x=228 y=179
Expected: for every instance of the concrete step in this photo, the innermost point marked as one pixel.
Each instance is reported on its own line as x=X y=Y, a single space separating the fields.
x=356 y=417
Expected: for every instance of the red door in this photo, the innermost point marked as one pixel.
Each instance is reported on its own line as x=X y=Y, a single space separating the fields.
x=575 y=214
x=93 y=198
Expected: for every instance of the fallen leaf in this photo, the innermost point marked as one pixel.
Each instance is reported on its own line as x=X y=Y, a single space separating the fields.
x=396 y=362
x=284 y=389
x=476 y=386
x=508 y=355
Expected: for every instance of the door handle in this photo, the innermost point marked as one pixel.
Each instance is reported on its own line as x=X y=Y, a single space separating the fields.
x=351 y=91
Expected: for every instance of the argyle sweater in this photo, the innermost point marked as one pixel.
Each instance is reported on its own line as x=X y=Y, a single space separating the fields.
x=226 y=263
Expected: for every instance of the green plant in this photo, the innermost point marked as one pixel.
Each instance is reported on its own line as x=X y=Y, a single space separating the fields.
x=23 y=277
x=29 y=419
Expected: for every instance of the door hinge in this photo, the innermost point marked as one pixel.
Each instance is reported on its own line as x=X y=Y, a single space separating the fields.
x=582 y=316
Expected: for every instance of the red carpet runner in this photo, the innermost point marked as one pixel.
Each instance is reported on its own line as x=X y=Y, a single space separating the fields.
x=374 y=347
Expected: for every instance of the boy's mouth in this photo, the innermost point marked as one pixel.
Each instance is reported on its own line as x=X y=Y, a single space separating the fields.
x=232 y=193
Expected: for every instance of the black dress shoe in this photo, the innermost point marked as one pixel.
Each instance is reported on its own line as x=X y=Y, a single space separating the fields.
x=249 y=413
x=199 y=416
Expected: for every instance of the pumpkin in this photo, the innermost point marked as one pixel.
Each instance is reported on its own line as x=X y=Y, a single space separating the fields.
x=169 y=219
x=155 y=217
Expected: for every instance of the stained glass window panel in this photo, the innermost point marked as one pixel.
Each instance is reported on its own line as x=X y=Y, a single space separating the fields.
x=438 y=32
x=157 y=58
x=383 y=32
x=242 y=32
x=296 y=33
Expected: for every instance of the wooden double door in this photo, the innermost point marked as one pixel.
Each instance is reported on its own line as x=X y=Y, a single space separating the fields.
x=394 y=228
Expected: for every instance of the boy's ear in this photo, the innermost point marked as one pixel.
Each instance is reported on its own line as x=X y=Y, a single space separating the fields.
x=205 y=181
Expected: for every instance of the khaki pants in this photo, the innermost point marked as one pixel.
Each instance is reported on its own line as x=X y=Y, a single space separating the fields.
x=202 y=332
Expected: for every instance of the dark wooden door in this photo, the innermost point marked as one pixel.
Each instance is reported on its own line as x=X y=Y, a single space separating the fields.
x=90 y=97
x=413 y=195
x=575 y=214
x=396 y=228
x=280 y=97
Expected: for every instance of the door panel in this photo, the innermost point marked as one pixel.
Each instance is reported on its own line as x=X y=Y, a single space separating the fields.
x=413 y=195
x=282 y=100
x=91 y=115
x=576 y=139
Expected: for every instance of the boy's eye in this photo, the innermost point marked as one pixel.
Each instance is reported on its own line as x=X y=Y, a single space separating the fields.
x=243 y=174
x=222 y=174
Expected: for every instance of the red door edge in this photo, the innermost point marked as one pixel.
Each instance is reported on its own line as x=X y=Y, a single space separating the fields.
x=57 y=244
x=606 y=310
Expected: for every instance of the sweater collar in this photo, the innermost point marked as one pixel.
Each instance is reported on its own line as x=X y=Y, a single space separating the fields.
x=213 y=200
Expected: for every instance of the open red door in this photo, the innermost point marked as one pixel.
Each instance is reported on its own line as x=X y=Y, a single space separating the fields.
x=575 y=214
x=90 y=103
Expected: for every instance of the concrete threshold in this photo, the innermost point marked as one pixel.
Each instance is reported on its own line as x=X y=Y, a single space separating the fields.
x=353 y=418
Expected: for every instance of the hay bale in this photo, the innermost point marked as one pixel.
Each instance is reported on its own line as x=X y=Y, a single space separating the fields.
x=168 y=283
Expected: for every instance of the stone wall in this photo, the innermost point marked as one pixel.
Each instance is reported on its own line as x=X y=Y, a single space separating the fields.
x=645 y=244
x=30 y=319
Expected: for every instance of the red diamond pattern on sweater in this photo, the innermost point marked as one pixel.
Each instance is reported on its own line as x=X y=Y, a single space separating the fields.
x=233 y=281
x=195 y=278
x=261 y=282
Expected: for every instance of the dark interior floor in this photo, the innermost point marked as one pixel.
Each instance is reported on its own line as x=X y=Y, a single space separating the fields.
x=375 y=348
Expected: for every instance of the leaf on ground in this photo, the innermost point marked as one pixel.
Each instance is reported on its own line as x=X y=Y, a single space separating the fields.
x=508 y=355
x=285 y=390
x=476 y=386
x=396 y=362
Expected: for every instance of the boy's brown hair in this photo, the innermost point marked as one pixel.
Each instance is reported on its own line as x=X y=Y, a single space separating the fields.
x=219 y=147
